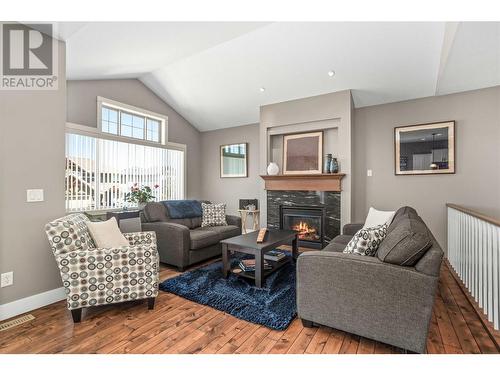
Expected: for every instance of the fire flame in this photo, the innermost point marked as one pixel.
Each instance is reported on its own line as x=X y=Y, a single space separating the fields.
x=306 y=231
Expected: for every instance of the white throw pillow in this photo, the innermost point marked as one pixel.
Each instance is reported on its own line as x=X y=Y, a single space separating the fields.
x=107 y=233
x=366 y=241
x=376 y=218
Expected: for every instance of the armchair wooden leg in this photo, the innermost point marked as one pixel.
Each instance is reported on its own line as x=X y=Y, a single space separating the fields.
x=151 y=303
x=181 y=269
x=77 y=315
x=307 y=323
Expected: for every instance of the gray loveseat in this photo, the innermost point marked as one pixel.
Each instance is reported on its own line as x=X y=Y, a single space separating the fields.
x=368 y=296
x=183 y=242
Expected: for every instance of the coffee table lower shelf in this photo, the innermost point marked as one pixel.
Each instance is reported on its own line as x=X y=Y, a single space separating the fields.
x=251 y=274
x=247 y=244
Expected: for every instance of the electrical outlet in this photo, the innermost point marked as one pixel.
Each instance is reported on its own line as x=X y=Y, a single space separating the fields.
x=34 y=195
x=369 y=173
x=7 y=279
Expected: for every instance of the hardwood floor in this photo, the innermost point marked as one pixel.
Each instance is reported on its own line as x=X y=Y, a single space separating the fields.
x=177 y=325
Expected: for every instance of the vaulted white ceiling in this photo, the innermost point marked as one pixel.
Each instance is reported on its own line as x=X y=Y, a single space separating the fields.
x=211 y=73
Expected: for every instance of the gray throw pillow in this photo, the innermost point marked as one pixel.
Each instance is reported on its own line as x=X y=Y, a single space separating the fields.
x=406 y=242
x=367 y=240
x=155 y=211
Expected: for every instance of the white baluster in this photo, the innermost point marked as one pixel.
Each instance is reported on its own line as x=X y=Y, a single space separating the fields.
x=480 y=244
x=489 y=312
x=474 y=254
x=496 y=277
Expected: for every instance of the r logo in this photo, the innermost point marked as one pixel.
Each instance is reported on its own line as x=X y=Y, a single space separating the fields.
x=27 y=49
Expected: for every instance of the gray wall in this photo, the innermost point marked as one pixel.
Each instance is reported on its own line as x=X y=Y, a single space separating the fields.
x=82 y=109
x=476 y=183
x=31 y=156
x=301 y=115
x=230 y=190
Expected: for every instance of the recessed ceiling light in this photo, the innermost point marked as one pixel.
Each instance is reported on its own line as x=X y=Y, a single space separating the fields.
x=262 y=89
x=331 y=73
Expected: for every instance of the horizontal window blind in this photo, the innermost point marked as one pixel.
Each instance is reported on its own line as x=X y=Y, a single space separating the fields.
x=99 y=172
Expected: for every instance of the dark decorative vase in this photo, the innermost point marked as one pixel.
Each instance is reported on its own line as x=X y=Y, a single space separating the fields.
x=328 y=162
x=334 y=166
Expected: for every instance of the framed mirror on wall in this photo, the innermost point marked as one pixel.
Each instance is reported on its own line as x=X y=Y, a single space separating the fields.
x=234 y=160
x=425 y=148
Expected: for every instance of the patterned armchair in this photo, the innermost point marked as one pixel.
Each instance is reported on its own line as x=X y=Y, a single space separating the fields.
x=99 y=276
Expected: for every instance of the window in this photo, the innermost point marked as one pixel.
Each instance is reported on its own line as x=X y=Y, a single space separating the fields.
x=127 y=121
x=99 y=172
x=152 y=130
x=109 y=120
x=130 y=147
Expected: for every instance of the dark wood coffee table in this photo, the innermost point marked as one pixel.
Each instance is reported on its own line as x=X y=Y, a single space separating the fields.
x=247 y=243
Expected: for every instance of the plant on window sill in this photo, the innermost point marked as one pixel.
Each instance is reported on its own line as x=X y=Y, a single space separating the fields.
x=140 y=195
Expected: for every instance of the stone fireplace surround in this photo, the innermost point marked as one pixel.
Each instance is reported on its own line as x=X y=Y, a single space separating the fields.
x=327 y=200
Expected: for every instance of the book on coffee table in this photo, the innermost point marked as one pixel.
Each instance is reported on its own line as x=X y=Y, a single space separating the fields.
x=275 y=255
x=248 y=265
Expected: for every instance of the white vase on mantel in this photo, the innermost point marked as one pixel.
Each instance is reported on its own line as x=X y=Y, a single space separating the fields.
x=273 y=169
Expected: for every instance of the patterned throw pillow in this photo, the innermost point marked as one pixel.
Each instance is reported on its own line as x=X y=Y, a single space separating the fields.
x=366 y=241
x=213 y=214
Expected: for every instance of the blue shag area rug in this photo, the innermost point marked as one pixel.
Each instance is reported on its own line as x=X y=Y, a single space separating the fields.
x=273 y=305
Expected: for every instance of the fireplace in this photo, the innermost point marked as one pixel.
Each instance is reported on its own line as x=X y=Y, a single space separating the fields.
x=307 y=221
x=315 y=203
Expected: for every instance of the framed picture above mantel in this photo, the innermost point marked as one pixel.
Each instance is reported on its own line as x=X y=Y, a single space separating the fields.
x=425 y=149
x=303 y=153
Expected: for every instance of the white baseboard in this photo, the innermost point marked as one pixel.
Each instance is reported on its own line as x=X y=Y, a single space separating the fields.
x=23 y=305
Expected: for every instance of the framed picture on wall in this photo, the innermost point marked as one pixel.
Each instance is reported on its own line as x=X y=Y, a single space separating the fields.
x=234 y=160
x=425 y=148
x=303 y=153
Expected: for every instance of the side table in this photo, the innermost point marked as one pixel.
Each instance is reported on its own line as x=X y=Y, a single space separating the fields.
x=255 y=219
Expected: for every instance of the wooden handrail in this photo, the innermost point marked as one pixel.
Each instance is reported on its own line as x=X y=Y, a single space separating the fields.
x=476 y=214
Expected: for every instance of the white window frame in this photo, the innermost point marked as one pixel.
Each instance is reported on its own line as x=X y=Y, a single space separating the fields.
x=101 y=101
x=74 y=128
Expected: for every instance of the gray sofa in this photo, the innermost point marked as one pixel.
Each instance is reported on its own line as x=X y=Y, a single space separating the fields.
x=183 y=242
x=368 y=296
